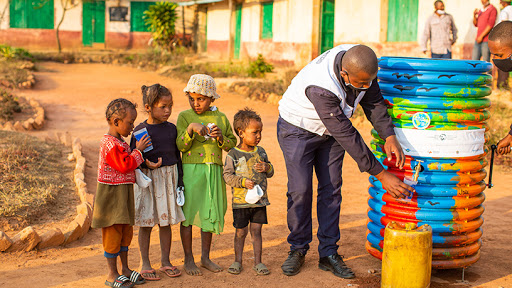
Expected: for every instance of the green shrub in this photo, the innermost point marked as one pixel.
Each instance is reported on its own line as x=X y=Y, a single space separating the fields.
x=9 y=52
x=161 y=19
x=259 y=67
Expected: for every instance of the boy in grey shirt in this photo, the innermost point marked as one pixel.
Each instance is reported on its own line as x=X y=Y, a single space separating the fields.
x=246 y=166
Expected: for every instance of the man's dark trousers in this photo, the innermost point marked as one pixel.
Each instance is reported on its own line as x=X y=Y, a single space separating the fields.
x=303 y=151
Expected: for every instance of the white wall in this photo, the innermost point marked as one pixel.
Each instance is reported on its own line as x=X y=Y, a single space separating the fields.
x=4 y=8
x=357 y=21
x=293 y=21
x=251 y=18
x=73 y=18
x=218 y=21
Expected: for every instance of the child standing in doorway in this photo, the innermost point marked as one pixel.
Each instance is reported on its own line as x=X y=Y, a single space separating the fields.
x=247 y=166
x=156 y=204
x=203 y=132
x=114 y=208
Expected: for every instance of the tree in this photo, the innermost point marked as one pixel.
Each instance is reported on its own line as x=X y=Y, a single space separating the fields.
x=66 y=5
x=161 y=19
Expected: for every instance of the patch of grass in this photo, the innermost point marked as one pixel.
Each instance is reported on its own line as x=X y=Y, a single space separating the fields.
x=32 y=173
x=8 y=106
x=13 y=72
x=223 y=70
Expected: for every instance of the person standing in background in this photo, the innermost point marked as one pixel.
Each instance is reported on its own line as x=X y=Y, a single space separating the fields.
x=484 y=20
x=505 y=15
x=440 y=29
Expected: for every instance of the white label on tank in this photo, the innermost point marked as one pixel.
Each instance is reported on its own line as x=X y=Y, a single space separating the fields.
x=441 y=143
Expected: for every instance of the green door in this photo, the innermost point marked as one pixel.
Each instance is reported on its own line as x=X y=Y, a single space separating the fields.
x=93 y=21
x=238 y=31
x=402 y=21
x=327 y=26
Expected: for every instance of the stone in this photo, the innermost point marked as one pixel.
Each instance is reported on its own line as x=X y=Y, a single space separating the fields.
x=18 y=126
x=82 y=193
x=79 y=175
x=65 y=139
x=85 y=223
x=72 y=233
x=5 y=241
x=80 y=183
x=39 y=122
x=51 y=238
x=71 y=157
x=27 y=124
x=80 y=164
x=34 y=103
x=25 y=240
x=8 y=126
x=84 y=208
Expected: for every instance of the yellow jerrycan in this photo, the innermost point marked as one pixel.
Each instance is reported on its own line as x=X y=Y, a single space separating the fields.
x=407 y=256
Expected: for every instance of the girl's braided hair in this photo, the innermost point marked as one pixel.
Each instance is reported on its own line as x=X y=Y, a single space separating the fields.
x=118 y=108
x=151 y=94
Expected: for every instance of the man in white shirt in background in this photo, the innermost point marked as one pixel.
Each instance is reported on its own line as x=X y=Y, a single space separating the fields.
x=505 y=15
x=440 y=29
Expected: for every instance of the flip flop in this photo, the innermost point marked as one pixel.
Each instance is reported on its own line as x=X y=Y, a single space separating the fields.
x=136 y=278
x=119 y=282
x=261 y=269
x=175 y=271
x=152 y=271
x=235 y=268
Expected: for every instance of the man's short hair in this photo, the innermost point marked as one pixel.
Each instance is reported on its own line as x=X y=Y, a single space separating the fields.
x=360 y=58
x=501 y=33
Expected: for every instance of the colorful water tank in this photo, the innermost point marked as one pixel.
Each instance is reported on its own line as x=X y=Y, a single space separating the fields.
x=439 y=111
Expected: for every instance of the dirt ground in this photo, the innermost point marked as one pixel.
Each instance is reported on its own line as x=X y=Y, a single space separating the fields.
x=75 y=97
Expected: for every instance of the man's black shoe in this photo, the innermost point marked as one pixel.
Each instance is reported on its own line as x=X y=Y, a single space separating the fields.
x=335 y=264
x=292 y=264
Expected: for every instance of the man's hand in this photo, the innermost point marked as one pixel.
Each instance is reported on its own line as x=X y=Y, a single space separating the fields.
x=393 y=185
x=393 y=147
x=152 y=165
x=504 y=145
x=479 y=39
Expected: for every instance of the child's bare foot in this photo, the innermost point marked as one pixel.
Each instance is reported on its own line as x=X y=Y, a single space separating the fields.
x=191 y=268
x=208 y=264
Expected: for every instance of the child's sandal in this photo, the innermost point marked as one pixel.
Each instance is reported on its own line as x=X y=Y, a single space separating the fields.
x=235 y=268
x=261 y=269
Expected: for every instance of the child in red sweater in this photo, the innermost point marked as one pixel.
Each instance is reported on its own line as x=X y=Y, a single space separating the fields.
x=114 y=208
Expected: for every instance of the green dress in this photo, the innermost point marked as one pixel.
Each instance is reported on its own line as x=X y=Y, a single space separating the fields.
x=205 y=189
x=205 y=197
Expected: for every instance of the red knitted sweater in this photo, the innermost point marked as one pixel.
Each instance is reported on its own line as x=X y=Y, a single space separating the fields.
x=117 y=162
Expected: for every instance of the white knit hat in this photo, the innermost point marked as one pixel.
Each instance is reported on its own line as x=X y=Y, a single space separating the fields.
x=202 y=84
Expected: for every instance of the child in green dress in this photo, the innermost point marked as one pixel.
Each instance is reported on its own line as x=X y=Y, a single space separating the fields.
x=203 y=132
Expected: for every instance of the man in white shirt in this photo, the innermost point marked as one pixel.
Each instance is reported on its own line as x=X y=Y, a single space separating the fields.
x=314 y=131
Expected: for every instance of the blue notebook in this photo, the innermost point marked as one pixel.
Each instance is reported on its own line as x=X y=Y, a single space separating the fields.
x=139 y=134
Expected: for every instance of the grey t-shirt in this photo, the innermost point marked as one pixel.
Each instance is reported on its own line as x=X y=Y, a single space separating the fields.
x=238 y=167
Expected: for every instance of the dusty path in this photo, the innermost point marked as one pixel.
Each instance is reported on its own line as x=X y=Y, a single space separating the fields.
x=75 y=97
